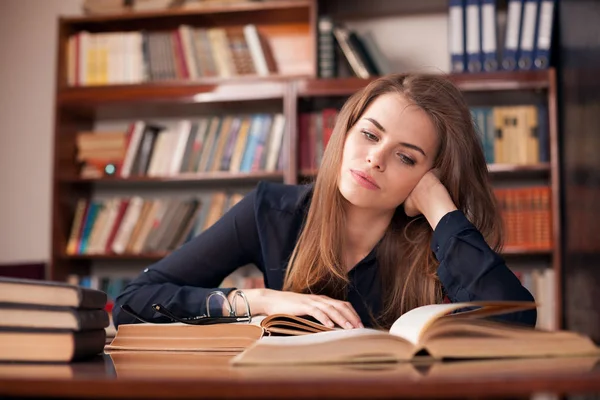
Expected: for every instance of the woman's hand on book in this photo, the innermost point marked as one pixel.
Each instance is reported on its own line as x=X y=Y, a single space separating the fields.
x=430 y=198
x=326 y=310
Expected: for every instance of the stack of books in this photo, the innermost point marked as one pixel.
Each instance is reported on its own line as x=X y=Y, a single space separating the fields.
x=46 y=321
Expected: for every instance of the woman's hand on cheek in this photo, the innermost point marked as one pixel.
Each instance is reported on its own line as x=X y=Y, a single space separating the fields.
x=430 y=198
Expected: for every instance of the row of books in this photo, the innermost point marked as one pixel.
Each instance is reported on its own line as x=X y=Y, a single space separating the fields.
x=344 y=52
x=180 y=54
x=479 y=43
x=513 y=134
x=541 y=284
x=136 y=225
x=233 y=143
x=527 y=217
x=314 y=131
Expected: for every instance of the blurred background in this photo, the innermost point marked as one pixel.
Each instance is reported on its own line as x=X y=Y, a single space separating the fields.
x=129 y=127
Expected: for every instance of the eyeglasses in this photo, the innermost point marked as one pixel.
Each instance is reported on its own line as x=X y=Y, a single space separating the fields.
x=203 y=319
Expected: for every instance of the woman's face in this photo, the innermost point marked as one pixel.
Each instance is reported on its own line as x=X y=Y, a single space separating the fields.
x=387 y=151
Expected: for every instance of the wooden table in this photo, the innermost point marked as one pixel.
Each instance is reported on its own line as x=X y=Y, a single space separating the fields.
x=189 y=375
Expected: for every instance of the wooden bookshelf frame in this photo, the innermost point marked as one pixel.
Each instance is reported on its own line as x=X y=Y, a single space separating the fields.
x=77 y=107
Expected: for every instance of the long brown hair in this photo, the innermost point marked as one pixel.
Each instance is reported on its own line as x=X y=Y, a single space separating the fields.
x=406 y=263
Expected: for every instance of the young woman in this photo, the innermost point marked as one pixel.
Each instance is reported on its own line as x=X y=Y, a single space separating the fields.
x=401 y=215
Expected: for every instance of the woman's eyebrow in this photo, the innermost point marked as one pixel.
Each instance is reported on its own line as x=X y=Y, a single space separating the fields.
x=376 y=123
x=414 y=147
x=409 y=145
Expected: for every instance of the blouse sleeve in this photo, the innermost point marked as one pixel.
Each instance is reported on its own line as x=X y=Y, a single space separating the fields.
x=470 y=270
x=182 y=280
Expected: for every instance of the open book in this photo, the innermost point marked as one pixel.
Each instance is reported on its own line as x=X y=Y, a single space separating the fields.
x=437 y=330
x=218 y=337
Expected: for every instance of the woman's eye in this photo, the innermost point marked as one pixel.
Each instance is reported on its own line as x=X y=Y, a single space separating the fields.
x=370 y=136
x=406 y=160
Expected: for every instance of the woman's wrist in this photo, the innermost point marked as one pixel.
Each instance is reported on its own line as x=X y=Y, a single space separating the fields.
x=254 y=298
x=437 y=204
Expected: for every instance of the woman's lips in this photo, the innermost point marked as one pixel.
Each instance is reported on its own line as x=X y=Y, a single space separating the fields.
x=364 y=180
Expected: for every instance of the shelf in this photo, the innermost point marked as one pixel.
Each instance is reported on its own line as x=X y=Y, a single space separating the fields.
x=502 y=80
x=129 y=256
x=523 y=251
x=212 y=177
x=201 y=91
x=516 y=168
x=518 y=80
x=271 y=87
x=208 y=9
x=511 y=251
x=513 y=170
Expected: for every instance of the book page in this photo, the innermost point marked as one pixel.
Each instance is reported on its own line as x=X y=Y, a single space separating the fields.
x=412 y=324
x=415 y=322
x=319 y=337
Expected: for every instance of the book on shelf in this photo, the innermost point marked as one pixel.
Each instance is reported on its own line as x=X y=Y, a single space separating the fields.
x=185 y=53
x=527 y=216
x=458 y=330
x=46 y=321
x=438 y=332
x=139 y=225
x=219 y=143
x=541 y=283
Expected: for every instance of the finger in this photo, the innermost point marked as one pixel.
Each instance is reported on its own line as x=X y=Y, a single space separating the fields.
x=346 y=308
x=347 y=311
x=334 y=314
x=322 y=317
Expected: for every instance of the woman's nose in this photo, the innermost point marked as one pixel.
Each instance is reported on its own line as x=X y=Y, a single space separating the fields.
x=376 y=160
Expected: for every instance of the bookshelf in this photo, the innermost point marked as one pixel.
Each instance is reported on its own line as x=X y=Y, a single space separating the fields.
x=293 y=89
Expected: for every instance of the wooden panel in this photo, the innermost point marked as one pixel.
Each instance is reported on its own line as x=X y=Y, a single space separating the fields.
x=292 y=47
x=23 y=270
x=579 y=57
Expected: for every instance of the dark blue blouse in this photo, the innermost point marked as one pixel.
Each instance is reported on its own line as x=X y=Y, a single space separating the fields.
x=262 y=229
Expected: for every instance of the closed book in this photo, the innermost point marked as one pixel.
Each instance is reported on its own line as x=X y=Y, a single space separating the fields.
x=50 y=293
x=48 y=317
x=33 y=345
x=217 y=337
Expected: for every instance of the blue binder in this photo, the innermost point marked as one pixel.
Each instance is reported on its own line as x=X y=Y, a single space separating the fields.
x=489 y=41
x=456 y=35
x=473 y=31
x=528 y=34
x=541 y=59
x=510 y=54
